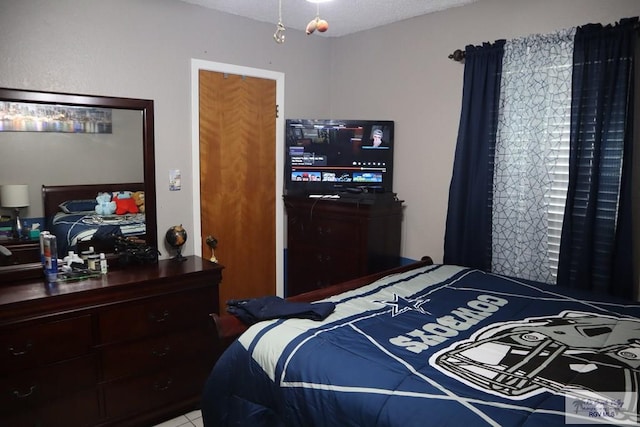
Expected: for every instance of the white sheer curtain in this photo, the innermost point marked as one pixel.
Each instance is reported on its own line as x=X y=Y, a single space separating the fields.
x=532 y=155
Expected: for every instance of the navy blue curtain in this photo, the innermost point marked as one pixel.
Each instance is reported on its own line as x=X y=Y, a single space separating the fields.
x=596 y=247
x=468 y=229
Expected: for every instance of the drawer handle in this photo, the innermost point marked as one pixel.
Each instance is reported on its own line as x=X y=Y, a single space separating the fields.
x=164 y=316
x=15 y=352
x=163 y=352
x=162 y=387
x=321 y=258
x=324 y=231
x=19 y=395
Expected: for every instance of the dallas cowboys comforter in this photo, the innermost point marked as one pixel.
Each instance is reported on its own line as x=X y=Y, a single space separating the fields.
x=71 y=228
x=441 y=346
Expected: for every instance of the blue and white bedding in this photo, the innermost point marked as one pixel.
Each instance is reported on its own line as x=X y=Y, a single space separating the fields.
x=71 y=228
x=442 y=346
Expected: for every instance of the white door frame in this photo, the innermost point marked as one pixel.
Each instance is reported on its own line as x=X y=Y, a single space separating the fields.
x=197 y=65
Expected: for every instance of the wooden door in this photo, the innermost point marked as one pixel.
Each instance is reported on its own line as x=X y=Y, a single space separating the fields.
x=237 y=180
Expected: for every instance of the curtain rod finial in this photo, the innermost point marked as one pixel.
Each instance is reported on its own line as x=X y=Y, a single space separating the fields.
x=457 y=55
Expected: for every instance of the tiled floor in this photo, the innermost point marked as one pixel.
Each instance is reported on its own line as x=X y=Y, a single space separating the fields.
x=191 y=419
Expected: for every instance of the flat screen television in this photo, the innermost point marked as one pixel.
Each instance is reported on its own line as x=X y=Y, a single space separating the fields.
x=334 y=156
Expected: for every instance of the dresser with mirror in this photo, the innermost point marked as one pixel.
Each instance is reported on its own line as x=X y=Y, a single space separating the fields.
x=130 y=347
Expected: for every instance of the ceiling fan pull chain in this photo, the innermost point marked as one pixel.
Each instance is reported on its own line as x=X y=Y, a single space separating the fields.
x=278 y=36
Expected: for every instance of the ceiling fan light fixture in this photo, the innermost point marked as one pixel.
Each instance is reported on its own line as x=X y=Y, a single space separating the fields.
x=315 y=24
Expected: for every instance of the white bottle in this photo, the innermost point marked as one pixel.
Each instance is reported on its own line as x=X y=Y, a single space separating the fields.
x=103 y=263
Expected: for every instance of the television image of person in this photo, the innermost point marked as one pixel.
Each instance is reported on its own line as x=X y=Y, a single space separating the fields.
x=377 y=140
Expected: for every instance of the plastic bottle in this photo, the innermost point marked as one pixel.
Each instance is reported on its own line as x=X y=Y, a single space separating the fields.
x=93 y=262
x=103 y=263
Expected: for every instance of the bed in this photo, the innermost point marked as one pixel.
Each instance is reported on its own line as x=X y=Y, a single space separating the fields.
x=70 y=215
x=437 y=345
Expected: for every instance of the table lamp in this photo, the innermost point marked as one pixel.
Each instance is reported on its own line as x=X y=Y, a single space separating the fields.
x=15 y=196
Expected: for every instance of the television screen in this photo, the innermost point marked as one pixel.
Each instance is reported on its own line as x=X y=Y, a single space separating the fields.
x=330 y=156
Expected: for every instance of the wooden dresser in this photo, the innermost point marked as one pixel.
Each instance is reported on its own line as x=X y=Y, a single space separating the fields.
x=133 y=347
x=332 y=240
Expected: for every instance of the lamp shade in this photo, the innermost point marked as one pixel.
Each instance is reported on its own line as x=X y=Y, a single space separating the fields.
x=14 y=195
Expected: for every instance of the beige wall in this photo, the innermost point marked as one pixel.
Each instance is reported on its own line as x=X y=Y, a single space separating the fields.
x=143 y=49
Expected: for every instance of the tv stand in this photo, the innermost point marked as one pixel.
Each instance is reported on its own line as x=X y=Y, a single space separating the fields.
x=334 y=240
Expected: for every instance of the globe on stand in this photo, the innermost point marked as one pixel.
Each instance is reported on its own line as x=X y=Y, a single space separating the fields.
x=176 y=237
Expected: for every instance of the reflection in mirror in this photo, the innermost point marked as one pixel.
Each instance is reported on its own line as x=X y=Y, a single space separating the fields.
x=125 y=155
x=73 y=158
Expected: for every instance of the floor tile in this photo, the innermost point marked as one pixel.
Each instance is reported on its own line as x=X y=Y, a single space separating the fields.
x=193 y=415
x=181 y=421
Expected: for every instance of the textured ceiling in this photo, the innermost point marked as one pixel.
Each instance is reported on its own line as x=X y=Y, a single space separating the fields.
x=344 y=16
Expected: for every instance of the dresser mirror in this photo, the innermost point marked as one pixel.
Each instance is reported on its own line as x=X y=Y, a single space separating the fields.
x=35 y=157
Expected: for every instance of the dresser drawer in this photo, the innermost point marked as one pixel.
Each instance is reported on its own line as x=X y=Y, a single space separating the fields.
x=311 y=268
x=36 y=345
x=324 y=231
x=133 y=358
x=158 y=315
x=26 y=389
x=155 y=390
x=331 y=232
x=79 y=409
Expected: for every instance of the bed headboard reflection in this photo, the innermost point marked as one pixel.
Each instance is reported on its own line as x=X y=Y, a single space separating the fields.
x=74 y=232
x=53 y=195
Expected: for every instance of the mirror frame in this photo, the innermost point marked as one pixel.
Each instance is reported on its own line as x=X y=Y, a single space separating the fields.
x=34 y=270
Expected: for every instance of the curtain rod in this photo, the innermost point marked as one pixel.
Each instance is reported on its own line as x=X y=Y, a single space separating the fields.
x=457 y=55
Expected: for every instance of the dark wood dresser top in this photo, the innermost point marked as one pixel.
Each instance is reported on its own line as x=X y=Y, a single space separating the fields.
x=35 y=296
